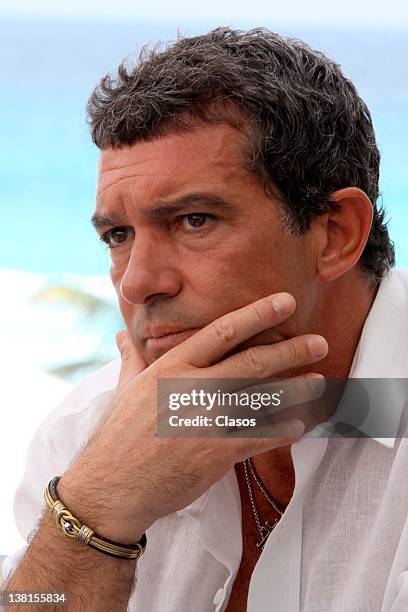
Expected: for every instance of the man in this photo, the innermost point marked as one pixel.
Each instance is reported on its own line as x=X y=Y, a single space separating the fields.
x=237 y=192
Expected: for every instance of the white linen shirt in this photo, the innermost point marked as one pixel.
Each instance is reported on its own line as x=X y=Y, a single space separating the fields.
x=342 y=543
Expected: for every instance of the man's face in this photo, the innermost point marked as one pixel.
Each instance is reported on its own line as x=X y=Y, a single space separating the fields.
x=194 y=236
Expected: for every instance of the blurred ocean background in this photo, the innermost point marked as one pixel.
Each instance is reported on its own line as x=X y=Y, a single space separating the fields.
x=58 y=312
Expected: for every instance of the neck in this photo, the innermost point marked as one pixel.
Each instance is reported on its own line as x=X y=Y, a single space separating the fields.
x=277 y=472
x=340 y=317
x=340 y=321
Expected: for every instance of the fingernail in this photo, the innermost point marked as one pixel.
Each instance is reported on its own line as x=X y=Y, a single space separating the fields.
x=317 y=385
x=317 y=346
x=283 y=303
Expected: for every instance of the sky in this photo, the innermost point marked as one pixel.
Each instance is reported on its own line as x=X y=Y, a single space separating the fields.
x=360 y=13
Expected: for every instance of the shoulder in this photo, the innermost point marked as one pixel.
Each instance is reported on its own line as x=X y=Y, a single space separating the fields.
x=66 y=428
x=80 y=397
x=102 y=380
x=401 y=276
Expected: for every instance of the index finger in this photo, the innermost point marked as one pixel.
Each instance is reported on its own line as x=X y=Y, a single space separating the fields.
x=211 y=343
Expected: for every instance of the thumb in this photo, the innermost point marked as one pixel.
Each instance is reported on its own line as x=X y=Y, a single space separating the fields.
x=132 y=362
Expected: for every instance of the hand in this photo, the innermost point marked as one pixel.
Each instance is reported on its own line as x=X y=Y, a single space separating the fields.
x=132 y=362
x=127 y=477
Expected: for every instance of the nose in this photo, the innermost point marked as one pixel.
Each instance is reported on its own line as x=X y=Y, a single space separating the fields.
x=151 y=272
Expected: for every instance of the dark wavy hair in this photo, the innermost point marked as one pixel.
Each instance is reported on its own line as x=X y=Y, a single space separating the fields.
x=308 y=131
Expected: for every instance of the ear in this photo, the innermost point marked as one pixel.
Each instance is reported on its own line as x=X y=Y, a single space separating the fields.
x=342 y=233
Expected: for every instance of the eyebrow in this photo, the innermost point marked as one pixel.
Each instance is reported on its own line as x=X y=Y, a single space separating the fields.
x=101 y=220
x=194 y=200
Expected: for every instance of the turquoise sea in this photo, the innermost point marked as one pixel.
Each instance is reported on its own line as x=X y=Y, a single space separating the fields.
x=47 y=162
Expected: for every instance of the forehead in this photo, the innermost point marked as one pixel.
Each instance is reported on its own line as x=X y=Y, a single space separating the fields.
x=210 y=152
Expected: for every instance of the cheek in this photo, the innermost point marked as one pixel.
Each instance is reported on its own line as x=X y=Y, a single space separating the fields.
x=228 y=280
x=225 y=281
x=244 y=270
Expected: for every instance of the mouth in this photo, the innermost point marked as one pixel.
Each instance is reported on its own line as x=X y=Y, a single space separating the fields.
x=159 y=331
x=161 y=340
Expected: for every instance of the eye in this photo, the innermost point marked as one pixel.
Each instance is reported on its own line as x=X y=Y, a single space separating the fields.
x=195 y=221
x=115 y=237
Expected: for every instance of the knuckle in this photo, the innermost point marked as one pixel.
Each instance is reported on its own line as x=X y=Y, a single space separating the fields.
x=125 y=352
x=258 y=312
x=120 y=338
x=255 y=361
x=224 y=329
x=293 y=352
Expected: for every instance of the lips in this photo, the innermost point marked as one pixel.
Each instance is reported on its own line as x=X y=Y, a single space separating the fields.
x=163 y=331
x=156 y=346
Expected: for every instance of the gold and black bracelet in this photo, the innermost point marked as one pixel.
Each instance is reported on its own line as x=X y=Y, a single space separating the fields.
x=73 y=528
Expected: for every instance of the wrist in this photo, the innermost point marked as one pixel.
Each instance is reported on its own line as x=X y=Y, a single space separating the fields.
x=94 y=508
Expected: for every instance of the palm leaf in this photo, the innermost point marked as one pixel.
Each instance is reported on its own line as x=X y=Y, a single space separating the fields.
x=102 y=319
x=70 y=369
x=87 y=302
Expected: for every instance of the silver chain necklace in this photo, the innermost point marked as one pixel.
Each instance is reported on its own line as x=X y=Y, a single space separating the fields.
x=266 y=528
